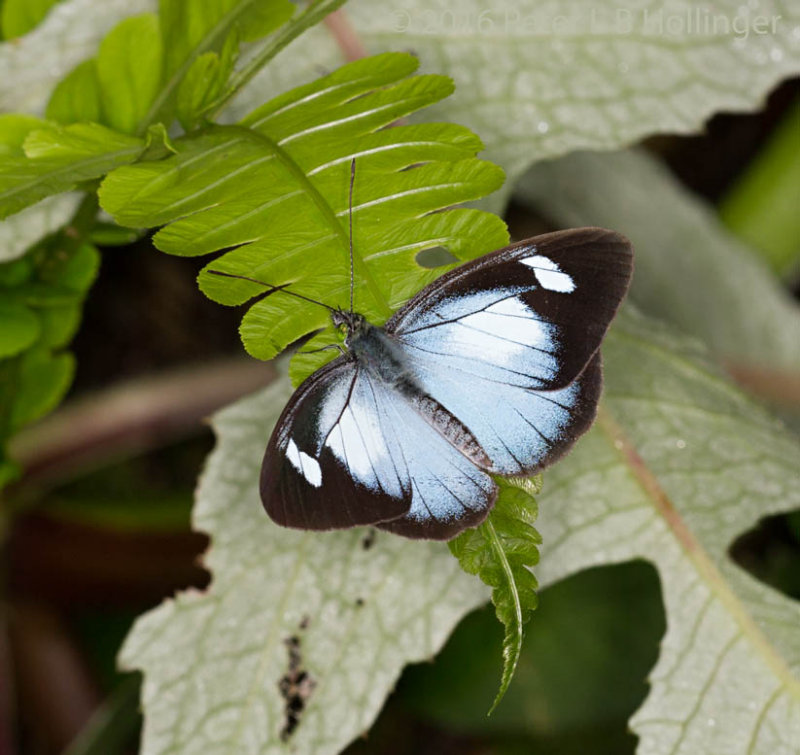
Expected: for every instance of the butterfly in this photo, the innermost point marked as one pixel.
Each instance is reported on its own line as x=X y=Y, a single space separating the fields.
x=491 y=370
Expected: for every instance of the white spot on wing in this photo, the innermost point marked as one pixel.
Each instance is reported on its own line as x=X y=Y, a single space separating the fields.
x=306 y=465
x=549 y=274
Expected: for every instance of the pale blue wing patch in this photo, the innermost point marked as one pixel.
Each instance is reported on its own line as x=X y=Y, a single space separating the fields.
x=359 y=440
x=492 y=333
x=517 y=428
x=449 y=492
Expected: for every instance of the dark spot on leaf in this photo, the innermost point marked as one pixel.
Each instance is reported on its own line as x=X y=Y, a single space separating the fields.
x=368 y=540
x=304 y=622
x=359 y=602
x=296 y=685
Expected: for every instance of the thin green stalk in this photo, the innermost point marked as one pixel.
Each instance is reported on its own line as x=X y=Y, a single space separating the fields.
x=762 y=208
x=270 y=47
x=511 y=653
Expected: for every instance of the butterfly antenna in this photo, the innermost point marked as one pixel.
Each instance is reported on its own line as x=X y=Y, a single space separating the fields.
x=350 y=207
x=273 y=289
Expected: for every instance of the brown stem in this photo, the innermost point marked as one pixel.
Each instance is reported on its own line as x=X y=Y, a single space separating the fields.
x=56 y=690
x=131 y=418
x=345 y=35
x=6 y=690
x=778 y=387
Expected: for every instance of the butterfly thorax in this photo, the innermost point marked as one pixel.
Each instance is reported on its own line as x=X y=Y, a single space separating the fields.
x=377 y=352
x=372 y=347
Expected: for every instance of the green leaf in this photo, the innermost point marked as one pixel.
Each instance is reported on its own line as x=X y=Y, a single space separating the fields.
x=14 y=129
x=42 y=381
x=44 y=292
x=57 y=158
x=501 y=552
x=77 y=97
x=690 y=270
x=204 y=81
x=538 y=80
x=19 y=328
x=70 y=34
x=128 y=68
x=276 y=188
x=20 y=16
x=360 y=612
x=264 y=51
x=761 y=208
x=200 y=42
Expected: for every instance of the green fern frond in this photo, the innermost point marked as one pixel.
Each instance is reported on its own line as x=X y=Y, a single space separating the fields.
x=271 y=193
x=502 y=551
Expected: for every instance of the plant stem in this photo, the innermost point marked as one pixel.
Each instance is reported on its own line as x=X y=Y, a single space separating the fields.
x=270 y=47
x=130 y=418
x=762 y=208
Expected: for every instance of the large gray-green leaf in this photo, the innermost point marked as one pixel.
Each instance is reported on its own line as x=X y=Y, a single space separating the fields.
x=20 y=231
x=677 y=466
x=690 y=270
x=214 y=662
x=539 y=78
x=31 y=66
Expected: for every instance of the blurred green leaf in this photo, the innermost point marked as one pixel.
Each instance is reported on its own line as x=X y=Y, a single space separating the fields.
x=113 y=725
x=77 y=97
x=47 y=289
x=53 y=159
x=201 y=41
x=42 y=381
x=20 y=16
x=761 y=208
x=128 y=69
x=19 y=328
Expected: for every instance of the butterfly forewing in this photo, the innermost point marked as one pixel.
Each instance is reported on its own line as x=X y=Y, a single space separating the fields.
x=350 y=450
x=330 y=462
x=532 y=314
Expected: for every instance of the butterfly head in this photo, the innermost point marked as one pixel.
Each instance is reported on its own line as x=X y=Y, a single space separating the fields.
x=351 y=323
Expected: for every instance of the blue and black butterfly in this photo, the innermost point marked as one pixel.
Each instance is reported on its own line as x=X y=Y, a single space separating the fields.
x=493 y=369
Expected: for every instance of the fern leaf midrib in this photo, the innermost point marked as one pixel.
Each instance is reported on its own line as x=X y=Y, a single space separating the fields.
x=328 y=214
x=510 y=664
x=65 y=170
